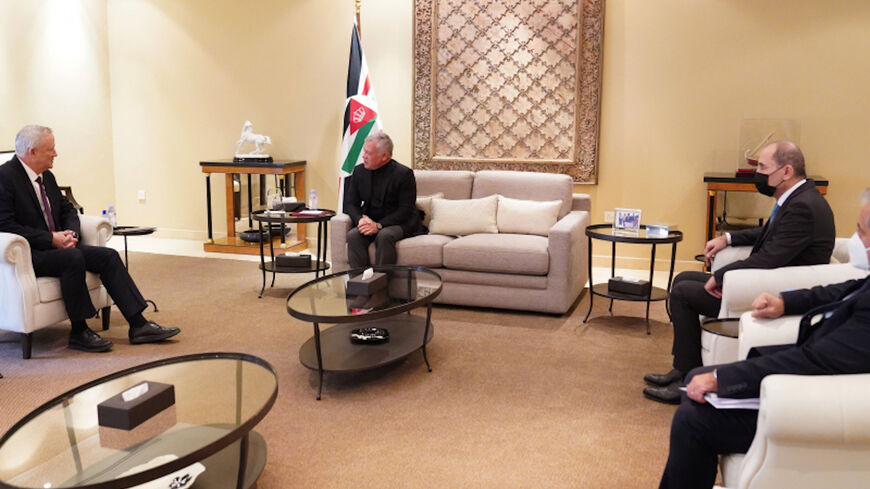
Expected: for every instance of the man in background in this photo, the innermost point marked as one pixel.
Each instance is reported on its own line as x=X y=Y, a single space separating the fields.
x=32 y=206
x=800 y=231
x=381 y=200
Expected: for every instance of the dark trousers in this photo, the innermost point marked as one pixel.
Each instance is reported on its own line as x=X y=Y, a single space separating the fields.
x=699 y=433
x=70 y=265
x=688 y=299
x=385 y=246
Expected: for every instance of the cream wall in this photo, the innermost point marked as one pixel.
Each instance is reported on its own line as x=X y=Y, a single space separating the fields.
x=185 y=75
x=54 y=55
x=679 y=77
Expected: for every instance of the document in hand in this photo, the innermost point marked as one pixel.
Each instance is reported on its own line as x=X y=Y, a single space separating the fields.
x=731 y=403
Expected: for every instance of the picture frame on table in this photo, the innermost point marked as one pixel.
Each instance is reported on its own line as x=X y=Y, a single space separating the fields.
x=626 y=220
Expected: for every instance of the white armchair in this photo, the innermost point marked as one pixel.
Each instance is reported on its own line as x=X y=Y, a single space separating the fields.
x=741 y=287
x=813 y=431
x=30 y=303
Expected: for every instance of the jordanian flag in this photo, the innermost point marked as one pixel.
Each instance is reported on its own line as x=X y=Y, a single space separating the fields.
x=360 y=111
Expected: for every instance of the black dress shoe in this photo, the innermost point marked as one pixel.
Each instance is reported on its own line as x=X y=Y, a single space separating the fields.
x=669 y=394
x=151 y=332
x=663 y=380
x=87 y=340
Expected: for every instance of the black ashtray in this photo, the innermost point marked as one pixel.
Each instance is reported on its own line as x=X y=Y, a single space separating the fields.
x=369 y=336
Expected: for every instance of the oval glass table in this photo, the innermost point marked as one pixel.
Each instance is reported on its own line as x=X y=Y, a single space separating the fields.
x=205 y=436
x=327 y=300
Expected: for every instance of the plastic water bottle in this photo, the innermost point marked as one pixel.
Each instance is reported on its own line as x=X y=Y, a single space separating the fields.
x=312 y=199
x=112 y=216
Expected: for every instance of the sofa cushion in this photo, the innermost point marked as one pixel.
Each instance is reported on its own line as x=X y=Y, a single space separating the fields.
x=526 y=216
x=425 y=250
x=462 y=217
x=456 y=184
x=525 y=185
x=503 y=253
x=49 y=287
x=424 y=203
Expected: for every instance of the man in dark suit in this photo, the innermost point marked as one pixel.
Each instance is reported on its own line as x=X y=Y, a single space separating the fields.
x=838 y=344
x=381 y=200
x=800 y=231
x=32 y=206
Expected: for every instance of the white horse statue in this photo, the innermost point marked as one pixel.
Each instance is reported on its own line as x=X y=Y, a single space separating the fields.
x=248 y=136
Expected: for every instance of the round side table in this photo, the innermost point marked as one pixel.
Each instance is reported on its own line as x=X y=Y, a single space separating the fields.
x=605 y=232
x=134 y=231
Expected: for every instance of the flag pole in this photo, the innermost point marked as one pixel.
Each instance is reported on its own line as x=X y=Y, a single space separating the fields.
x=357 y=5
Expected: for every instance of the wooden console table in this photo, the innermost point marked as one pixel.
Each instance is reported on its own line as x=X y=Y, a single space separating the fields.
x=293 y=175
x=728 y=182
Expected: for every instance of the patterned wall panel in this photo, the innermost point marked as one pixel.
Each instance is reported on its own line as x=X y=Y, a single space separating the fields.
x=508 y=84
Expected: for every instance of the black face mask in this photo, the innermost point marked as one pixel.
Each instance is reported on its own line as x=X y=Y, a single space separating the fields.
x=761 y=183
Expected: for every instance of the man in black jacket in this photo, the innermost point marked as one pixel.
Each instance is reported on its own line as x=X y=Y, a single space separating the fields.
x=800 y=231
x=32 y=206
x=838 y=344
x=381 y=200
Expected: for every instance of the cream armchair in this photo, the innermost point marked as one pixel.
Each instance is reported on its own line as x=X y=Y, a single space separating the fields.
x=30 y=303
x=813 y=431
x=741 y=287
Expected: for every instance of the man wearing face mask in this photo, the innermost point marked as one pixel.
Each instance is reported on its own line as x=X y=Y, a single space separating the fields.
x=800 y=231
x=838 y=344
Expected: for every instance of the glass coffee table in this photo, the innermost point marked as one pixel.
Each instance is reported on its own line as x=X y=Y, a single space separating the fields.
x=206 y=435
x=326 y=300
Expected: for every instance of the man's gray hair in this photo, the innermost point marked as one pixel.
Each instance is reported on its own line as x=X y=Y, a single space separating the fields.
x=28 y=138
x=787 y=153
x=385 y=144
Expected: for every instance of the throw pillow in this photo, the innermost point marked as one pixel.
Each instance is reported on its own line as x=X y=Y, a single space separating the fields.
x=425 y=204
x=466 y=216
x=527 y=216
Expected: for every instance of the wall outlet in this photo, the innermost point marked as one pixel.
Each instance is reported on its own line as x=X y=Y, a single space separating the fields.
x=608 y=216
x=141 y=196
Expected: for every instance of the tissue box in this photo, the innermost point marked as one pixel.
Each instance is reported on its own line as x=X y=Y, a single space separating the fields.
x=115 y=412
x=631 y=287
x=359 y=286
x=293 y=261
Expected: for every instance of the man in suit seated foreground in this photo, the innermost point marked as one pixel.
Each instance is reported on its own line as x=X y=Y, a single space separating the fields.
x=838 y=344
x=800 y=231
x=31 y=205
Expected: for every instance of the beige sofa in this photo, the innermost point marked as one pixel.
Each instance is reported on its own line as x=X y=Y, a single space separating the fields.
x=502 y=270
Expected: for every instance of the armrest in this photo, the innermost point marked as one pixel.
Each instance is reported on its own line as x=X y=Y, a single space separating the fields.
x=565 y=244
x=763 y=332
x=581 y=202
x=96 y=231
x=18 y=292
x=741 y=287
x=729 y=255
x=339 y=227
x=816 y=409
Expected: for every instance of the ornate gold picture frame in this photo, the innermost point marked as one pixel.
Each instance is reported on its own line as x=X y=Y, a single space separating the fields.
x=508 y=84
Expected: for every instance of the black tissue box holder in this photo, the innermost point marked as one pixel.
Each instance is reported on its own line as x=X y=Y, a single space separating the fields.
x=639 y=288
x=293 y=261
x=115 y=412
x=359 y=286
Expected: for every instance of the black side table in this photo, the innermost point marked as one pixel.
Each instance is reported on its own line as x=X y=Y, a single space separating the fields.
x=605 y=232
x=318 y=263
x=133 y=231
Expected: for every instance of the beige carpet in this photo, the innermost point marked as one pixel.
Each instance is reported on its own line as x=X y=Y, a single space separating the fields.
x=515 y=400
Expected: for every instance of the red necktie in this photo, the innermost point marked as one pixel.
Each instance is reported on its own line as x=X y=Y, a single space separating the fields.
x=46 y=207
